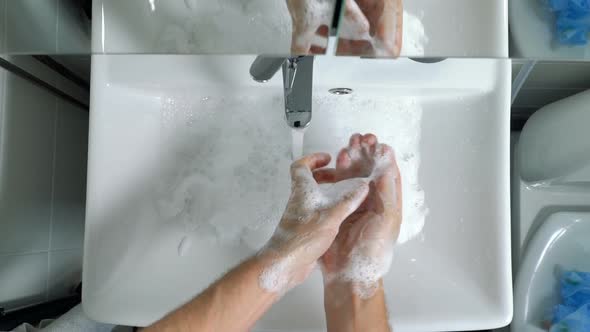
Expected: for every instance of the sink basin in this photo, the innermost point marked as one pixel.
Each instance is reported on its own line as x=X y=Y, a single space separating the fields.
x=432 y=28
x=158 y=122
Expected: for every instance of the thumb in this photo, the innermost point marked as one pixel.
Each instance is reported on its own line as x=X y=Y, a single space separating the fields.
x=349 y=200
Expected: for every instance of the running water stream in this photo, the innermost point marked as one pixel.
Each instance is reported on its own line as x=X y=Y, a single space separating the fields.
x=297 y=143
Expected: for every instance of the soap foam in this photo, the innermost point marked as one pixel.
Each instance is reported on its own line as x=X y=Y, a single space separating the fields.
x=414 y=38
x=200 y=27
x=184 y=246
x=364 y=270
x=308 y=197
x=225 y=171
x=334 y=193
x=225 y=161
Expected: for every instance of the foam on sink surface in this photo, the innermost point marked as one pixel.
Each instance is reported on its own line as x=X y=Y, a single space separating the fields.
x=229 y=179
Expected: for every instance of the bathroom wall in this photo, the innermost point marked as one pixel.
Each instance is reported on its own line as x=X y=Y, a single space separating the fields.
x=43 y=148
x=44 y=27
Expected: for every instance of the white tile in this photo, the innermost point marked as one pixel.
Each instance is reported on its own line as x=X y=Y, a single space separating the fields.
x=65 y=272
x=23 y=279
x=26 y=167
x=31 y=26
x=69 y=196
x=73 y=28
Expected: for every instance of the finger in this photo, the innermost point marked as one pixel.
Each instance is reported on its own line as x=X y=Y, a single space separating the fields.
x=354 y=47
x=389 y=185
x=389 y=28
x=317 y=50
x=323 y=30
x=304 y=166
x=350 y=202
x=343 y=160
x=355 y=24
x=319 y=41
x=398 y=189
x=355 y=141
x=369 y=141
x=325 y=175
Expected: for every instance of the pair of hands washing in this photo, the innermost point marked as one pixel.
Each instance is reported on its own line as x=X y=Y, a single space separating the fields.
x=367 y=27
x=347 y=218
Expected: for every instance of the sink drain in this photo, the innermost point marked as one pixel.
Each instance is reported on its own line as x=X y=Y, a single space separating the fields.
x=340 y=91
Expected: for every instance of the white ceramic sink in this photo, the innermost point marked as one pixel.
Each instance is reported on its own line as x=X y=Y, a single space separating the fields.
x=451 y=28
x=158 y=120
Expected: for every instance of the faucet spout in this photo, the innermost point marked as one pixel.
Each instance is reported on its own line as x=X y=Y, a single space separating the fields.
x=265 y=67
x=297 y=84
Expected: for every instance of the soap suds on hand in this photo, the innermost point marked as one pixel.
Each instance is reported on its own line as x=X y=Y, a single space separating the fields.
x=414 y=38
x=274 y=278
x=310 y=15
x=399 y=126
x=307 y=197
x=365 y=271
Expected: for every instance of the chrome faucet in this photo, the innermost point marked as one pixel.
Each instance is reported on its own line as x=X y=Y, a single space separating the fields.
x=297 y=84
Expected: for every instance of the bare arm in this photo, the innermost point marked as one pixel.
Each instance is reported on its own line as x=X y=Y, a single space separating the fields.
x=233 y=303
x=346 y=311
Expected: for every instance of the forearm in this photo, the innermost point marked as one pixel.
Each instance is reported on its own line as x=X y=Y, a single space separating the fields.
x=233 y=303
x=347 y=311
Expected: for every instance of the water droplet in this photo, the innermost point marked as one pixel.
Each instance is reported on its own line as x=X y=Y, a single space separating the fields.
x=184 y=245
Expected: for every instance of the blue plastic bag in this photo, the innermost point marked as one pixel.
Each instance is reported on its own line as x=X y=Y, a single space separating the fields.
x=573 y=314
x=572 y=20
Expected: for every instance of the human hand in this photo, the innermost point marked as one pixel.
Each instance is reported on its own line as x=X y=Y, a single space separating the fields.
x=363 y=249
x=371 y=27
x=309 y=224
x=311 y=20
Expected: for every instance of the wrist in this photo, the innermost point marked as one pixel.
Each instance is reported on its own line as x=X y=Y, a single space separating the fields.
x=352 y=292
x=278 y=273
x=346 y=310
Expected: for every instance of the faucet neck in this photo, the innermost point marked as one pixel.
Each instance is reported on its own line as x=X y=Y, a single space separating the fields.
x=297 y=84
